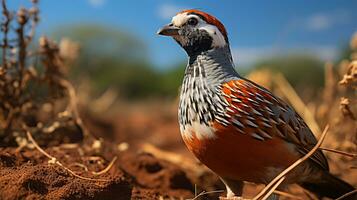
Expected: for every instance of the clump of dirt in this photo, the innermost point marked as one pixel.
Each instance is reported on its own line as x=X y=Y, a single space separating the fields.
x=157 y=175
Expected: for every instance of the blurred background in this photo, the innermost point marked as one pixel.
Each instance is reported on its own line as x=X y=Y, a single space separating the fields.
x=119 y=49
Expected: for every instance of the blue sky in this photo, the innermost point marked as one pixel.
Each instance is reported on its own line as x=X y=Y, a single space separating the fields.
x=257 y=29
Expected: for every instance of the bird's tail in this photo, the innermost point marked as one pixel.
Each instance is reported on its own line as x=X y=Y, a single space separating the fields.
x=330 y=186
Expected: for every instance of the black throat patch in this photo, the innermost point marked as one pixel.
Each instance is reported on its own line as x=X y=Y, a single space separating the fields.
x=195 y=42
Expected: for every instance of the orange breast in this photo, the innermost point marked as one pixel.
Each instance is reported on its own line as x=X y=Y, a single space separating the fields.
x=239 y=156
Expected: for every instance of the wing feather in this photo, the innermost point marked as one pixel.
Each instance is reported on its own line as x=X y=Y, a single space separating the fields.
x=256 y=111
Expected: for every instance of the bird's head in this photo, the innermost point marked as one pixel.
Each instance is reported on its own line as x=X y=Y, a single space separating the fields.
x=196 y=31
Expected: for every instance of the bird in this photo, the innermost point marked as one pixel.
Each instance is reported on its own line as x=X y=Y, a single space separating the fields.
x=237 y=128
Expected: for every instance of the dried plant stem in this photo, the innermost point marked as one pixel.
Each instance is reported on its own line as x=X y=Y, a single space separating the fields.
x=29 y=136
x=34 y=21
x=5 y=26
x=105 y=170
x=73 y=104
x=352 y=155
x=275 y=181
x=55 y=161
x=80 y=165
x=22 y=44
x=346 y=195
x=272 y=189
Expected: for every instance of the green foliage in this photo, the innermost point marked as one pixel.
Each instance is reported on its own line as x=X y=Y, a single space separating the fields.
x=112 y=58
x=98 y=40
x=171 y=80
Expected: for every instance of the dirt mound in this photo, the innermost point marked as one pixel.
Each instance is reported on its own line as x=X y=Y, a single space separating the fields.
x=27 y=174
x=158 y=175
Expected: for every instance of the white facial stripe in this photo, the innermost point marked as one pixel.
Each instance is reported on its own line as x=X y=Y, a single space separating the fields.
x=218 y=39
x=213 y=31
x=179 y=19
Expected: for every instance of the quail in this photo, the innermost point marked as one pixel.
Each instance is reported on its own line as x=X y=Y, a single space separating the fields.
x=238 y=129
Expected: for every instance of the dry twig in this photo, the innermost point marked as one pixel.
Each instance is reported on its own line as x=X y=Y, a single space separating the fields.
x=105 y=170
x=352 y=155
x=73 y=104
x=346 y=195
x=80 y=165
x=272 y=189
x=5 y=29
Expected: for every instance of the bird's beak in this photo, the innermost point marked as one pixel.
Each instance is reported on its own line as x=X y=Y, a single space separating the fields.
x=168 y=30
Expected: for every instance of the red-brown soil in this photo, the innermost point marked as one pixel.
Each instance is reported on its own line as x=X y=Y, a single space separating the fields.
x=26 y=173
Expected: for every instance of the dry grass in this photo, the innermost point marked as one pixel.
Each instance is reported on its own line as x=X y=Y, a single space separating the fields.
x=35 y=94
x=33 y=81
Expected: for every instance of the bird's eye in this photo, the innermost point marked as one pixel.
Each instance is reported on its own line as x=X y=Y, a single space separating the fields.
x=192 y=21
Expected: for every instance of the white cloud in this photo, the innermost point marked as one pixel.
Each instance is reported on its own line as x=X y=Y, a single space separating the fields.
x=324 y=21
x=167 y=11
x=96 y=3
x=247 y=56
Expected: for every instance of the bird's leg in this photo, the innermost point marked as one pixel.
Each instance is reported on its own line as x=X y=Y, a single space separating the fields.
x=234 y=188
x=230 y=193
